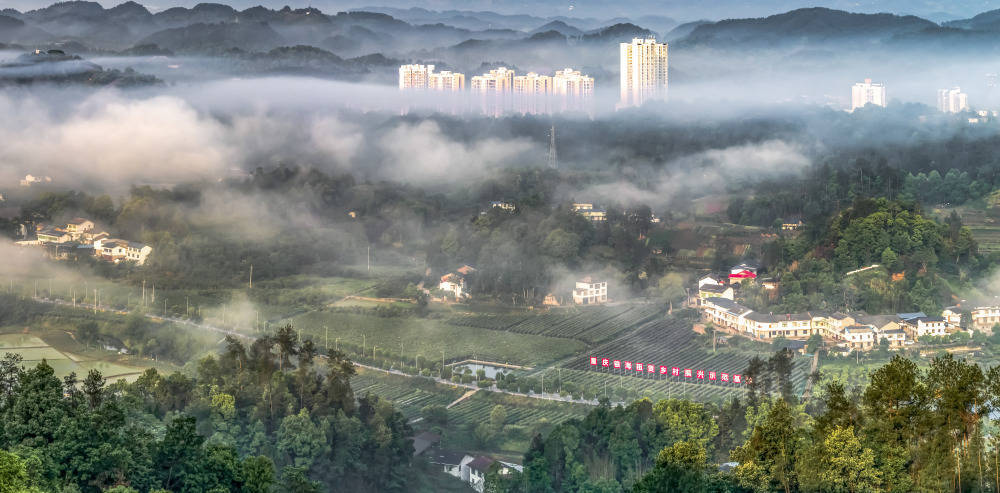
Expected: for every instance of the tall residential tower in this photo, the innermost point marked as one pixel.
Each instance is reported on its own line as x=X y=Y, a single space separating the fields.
x=643 y=71
x=867 y=92
x=952 y=100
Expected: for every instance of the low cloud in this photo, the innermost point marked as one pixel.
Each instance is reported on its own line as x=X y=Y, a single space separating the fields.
x=704 y=172
x=110 y=139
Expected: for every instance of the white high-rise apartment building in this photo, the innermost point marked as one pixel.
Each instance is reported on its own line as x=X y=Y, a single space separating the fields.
x=865 y=93
x=952 y=100
x=569 y=82
x=532 y=83
x=414 y=76
x=643 y=71
x=446 y=81
x=500 y=80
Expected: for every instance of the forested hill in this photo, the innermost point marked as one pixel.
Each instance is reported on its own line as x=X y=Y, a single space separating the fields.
x=271 y=416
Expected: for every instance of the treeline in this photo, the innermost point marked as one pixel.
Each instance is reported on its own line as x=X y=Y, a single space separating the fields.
x=910 y=429
x=268 y=416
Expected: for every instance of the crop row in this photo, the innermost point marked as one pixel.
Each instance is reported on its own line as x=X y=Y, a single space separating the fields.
x=672 y=343
x=619 y=388
x=476 y=411
x=589 y=325
x=406 y=397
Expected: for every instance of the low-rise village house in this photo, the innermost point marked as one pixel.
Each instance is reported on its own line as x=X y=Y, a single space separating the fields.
x=589 y=292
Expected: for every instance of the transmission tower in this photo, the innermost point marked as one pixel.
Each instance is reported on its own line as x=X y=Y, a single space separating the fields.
x=553 y=158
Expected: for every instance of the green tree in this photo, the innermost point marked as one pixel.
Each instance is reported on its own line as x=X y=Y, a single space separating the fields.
x=13 y=475
x=258 y=474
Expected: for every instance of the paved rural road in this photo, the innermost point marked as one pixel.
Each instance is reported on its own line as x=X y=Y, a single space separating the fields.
x=543 y=396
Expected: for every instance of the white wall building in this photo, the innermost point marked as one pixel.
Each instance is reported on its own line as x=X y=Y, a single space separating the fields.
x=643 y=65
x=588 y=292
x=414 y=76
x=499 y=80
x=569 y=82
x=867 y=92
x=952 y=100
x=446 y=81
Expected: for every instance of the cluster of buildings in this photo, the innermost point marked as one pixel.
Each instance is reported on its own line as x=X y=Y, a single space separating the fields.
x=858 y=331
x=471 y=469
x=501 y=90
x=643 y=77
x=951 y=100
x=79 y=236
x=587 y=210
x=30 y=180
x=454 y=283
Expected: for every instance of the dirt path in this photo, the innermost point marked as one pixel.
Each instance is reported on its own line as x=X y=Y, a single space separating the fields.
x=460 y=399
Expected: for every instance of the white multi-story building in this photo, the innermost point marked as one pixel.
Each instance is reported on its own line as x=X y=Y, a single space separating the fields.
x=924 y=326
x=446 y=81
x=644 y=67
x=569 y=82
x=588 y=292
x=532 y=84
x=952 y=100
x=499 y=80
x=867 y=92
x=414 y=76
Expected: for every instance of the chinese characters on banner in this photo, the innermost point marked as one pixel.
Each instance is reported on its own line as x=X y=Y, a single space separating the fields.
x=650 y=368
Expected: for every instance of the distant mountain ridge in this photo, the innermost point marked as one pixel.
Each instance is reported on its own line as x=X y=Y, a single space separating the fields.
x=804 y=25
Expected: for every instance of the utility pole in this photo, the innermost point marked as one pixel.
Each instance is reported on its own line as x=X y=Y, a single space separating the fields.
x=143 y=292
x=327 y=343
x=441 y=373
x=251 y=276
x=187 y=306
x=364 y=343
x=369 y=257
x=95 y=301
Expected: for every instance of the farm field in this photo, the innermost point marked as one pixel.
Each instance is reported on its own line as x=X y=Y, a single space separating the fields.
x=621 y=388
x=590 y=325
x=409 y=394
x=34 y=349
x=671 y=342
x=521 y=411
x=429 y=337
x=525 y=416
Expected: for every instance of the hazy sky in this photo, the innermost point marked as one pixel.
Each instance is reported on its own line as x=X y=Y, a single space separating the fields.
x=680 y=9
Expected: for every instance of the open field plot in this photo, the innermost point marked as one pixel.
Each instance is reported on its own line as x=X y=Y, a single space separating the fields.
x=521 y=411
x=63 y=363
x=621 y=388
x=671 y=342
x=408 y=394
x=429 y=337
x=590 y=325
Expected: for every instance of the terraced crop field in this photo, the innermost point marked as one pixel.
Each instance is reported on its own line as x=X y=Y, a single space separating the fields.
x=671 y=342
x=429 y=337
x=591 y=325
x=520 y=410
x=409 y=395
x=613 y=385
